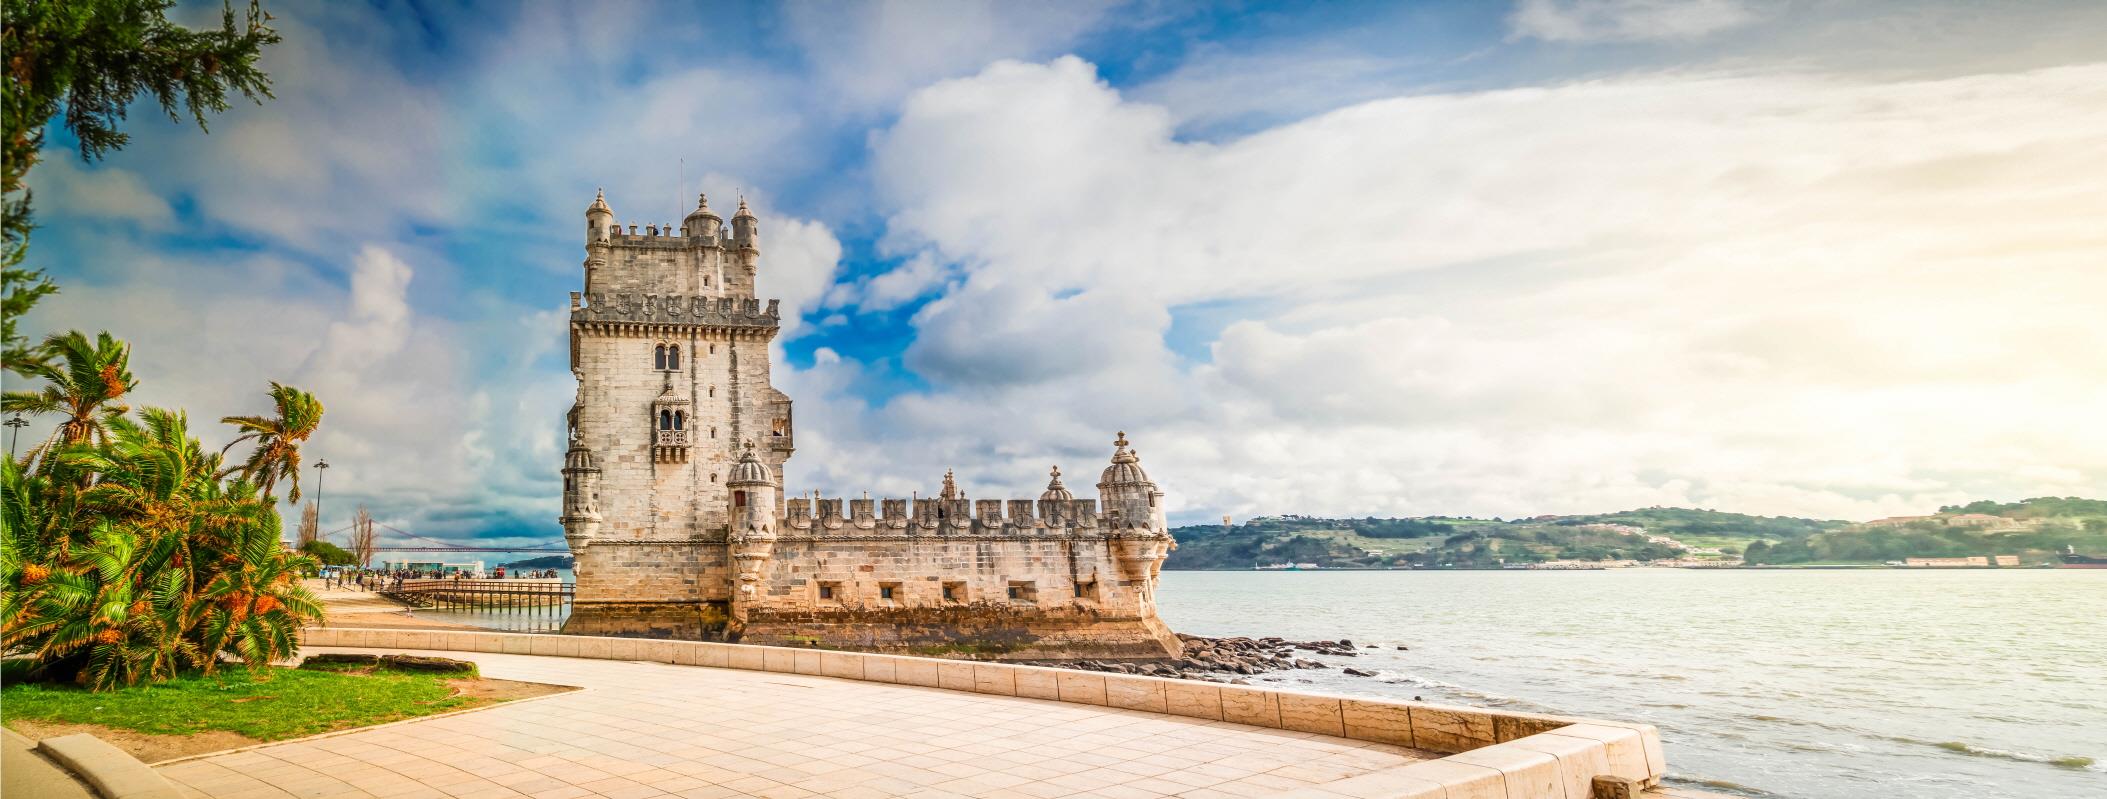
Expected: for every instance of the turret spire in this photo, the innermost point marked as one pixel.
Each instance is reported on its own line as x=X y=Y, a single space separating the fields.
x=950 y=486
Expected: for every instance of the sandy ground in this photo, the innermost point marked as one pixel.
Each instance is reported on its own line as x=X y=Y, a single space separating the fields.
x=347 y=607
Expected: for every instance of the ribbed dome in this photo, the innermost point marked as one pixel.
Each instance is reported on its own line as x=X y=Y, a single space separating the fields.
x=750 y=470
x=1054 y=490
x=599 y=203
x=580 y=459
x=1125 y=469
x=743 y=212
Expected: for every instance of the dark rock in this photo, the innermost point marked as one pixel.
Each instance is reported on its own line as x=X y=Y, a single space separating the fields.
x=1359 y=673
x=423 y=663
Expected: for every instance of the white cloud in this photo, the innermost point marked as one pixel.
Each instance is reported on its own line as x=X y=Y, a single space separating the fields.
x=871 y=53
x=1773 y=293
x=62 y=188
x=1625 y=20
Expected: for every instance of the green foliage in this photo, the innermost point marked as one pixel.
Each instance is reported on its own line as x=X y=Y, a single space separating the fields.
x=1353 y=543
x=91 y=59
x=2035 y=508
x=1684 y=522
x=278 y=439
x=125 y=554
x=2039 y=529
x=544 y=562
x=85 y=380
x=328 y=554
x=265 y=704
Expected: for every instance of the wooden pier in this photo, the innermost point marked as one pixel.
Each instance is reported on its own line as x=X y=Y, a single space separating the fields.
x=548 y=598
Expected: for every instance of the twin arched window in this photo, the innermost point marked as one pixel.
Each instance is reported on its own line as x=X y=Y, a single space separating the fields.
x=666 y=358
x=672 y=420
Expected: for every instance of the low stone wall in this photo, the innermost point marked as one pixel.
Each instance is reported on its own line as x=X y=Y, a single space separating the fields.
x=1490 y=754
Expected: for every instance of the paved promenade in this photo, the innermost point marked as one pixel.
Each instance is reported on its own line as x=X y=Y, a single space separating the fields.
x=650 y=729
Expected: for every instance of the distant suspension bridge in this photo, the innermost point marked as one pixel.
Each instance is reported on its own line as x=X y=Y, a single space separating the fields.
x=412 y=542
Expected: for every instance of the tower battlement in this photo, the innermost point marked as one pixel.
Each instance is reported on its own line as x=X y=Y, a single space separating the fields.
x=1016 y=518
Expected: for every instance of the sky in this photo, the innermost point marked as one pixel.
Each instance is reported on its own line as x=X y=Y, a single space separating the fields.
x=1785 y=257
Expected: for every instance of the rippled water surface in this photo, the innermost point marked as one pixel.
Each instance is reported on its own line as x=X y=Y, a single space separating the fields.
x=1818 y=684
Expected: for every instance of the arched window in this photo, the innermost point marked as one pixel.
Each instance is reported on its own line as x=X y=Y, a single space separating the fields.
x=673 y=358
x=713 y=391
x=665 y=420
x=658 y=357
x=713 y=432
x=680 y=420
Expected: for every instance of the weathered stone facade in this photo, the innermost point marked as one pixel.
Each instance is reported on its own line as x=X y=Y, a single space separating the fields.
x=674 y=511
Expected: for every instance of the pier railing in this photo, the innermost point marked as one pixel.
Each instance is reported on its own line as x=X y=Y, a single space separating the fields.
x=548 y=597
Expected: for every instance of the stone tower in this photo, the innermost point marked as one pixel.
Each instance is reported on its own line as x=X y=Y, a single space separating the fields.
x=669 y=345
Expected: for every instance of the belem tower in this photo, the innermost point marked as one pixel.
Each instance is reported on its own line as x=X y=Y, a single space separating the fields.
x=674 y=508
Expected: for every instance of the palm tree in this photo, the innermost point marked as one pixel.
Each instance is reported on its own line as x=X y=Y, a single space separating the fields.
x=277 y=439
x=152 y=567
x=84 y=380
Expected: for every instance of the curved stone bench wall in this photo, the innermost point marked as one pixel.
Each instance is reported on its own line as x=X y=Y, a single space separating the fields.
x=1489 y=754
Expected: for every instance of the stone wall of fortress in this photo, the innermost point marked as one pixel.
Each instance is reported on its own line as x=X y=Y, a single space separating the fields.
x=674 y=510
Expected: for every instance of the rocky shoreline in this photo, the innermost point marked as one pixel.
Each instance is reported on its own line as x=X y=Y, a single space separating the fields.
x=1228 y=659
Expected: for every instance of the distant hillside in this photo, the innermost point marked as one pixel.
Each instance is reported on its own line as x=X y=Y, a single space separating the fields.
x=1431 y=542
x=2035 y=529
x=544 y=562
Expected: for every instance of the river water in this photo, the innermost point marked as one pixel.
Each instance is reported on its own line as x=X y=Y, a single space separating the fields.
x=1818 y=684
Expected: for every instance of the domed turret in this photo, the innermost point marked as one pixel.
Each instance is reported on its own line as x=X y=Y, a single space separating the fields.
x=745 y=228
x=1126 y=467
x=750 y=471
x=599 y=219
x=1125 y=492
x=1056 y=491
x=702 y=221
x=581 y=495
x=753 y=496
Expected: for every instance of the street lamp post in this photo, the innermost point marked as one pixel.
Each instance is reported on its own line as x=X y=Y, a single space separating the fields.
x=14 y=424
x=321 y=471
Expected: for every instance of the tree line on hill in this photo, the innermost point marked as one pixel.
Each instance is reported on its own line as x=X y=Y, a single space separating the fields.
x=2039 y=528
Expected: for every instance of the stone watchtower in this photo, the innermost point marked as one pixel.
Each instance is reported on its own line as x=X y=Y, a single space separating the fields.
x=669 y=345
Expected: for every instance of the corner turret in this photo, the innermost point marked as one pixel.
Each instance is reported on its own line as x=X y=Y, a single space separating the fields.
x=1129 y=498
x=702 y=221
x=753 y=535
x=581 y=496
x=746 y=235
x=599 y=219
x=753 y=494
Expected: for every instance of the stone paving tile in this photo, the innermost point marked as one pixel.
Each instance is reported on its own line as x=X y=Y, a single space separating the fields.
x=649 y=730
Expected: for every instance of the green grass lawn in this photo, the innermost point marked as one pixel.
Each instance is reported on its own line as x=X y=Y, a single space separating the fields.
x=267 y=705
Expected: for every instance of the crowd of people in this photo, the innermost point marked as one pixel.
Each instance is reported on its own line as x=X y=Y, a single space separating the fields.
x=392 y=579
